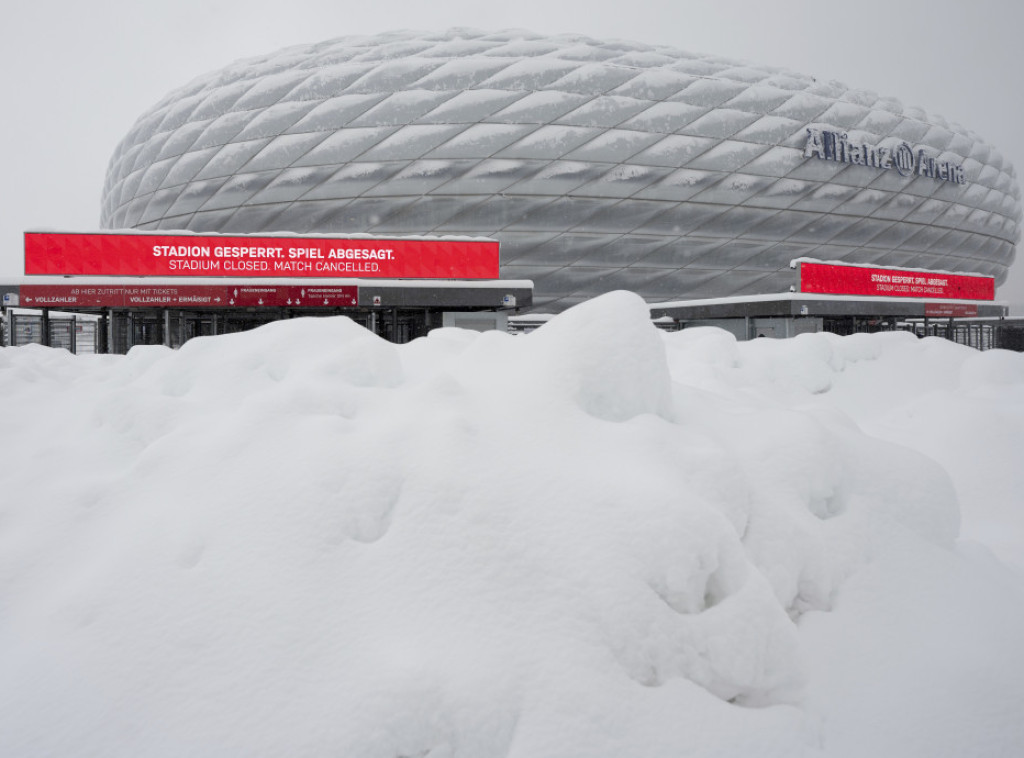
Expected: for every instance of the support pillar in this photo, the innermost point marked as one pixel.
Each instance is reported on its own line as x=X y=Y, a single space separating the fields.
x=103 y=333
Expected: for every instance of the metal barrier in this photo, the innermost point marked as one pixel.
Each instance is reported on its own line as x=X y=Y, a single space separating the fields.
x=1003 y=334
x=119 y=331
x=72 y=333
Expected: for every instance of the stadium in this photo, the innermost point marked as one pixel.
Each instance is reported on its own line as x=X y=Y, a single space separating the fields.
x=597 y=165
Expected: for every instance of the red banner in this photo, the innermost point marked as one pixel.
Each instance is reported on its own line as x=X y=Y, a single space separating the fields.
x=72 y=296
x=836 y=279
x=217 y=255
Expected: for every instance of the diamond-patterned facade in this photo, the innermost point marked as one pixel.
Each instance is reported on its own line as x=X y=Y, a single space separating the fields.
x=599 y=165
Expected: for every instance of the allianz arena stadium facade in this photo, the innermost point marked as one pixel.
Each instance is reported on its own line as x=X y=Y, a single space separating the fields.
x=598 y=165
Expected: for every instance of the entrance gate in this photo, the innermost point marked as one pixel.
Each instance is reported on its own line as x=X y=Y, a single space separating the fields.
x=173 y=328
x=121 y=315
x=76 y=334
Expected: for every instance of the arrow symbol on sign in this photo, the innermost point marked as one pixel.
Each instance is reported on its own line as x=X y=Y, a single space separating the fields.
x=231 y=301
x=28 y=300
x=261 y=301
x=298 y=302
x=236 y=293
x=325 y=301
x=303 y=293
x=289 y=301
x=216 y=300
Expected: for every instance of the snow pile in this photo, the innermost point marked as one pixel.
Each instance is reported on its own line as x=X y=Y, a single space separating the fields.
x=595 y=540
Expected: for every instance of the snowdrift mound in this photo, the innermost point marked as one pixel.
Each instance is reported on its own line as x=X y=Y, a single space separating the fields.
x=597 y=540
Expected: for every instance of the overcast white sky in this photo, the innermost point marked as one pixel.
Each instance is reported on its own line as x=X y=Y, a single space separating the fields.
x=76 y=75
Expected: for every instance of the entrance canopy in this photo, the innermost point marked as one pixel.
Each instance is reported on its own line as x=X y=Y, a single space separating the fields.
x=87 y=294
x=165 y=288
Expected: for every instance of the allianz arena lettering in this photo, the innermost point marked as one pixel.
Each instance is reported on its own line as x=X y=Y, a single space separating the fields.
x=837 y=146
x=597 y=165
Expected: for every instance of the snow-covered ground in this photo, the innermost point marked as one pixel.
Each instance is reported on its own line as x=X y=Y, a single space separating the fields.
x=596 y=540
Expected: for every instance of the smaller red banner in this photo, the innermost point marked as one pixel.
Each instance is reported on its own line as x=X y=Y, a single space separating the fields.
x=837 y=279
